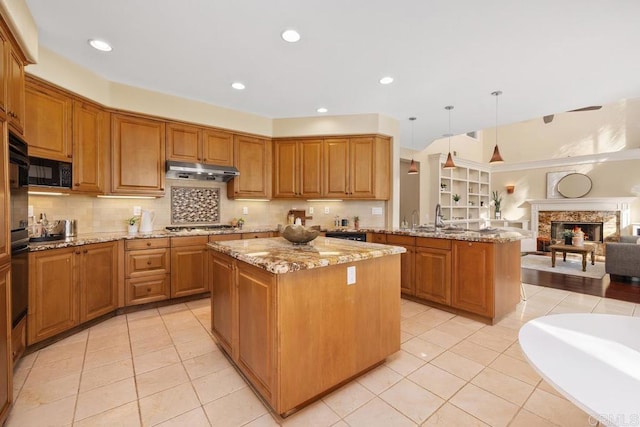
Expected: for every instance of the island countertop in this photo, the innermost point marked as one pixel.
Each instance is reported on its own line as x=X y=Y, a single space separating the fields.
x=279 y=256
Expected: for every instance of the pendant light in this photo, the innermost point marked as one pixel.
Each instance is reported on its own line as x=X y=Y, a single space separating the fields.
x=449 y=163
x=413 y=168
x=496 y=158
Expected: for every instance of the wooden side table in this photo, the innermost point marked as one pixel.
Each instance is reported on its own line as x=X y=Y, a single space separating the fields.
x=588 y=248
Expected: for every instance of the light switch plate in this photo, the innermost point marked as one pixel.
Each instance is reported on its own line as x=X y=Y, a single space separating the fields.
x=326 y=209
x=351 y=275
x=245 y=210
x=137 y=210
x=310 y=211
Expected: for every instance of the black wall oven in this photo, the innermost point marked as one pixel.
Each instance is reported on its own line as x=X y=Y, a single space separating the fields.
x=19 y=206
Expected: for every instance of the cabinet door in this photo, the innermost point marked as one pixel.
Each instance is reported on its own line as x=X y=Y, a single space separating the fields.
x=221 y=283
x=189 y=272
x=361 y=160
x=5 y=180
x=6 y=365
x=285 y=169
x=472 y=288
x=183 y=143
x=310 y=168
x=217 y=147
x=407 y=270
x=138 y=155
x=433 y=275
x=49 y=127
x=53 y=297
x=4 y=77
x=90 y=139
x=252 y=157
x=98 y=280
x=15 y=92
x=256 y=317
x=336 y=167
x=147 y=262
x=141 y=290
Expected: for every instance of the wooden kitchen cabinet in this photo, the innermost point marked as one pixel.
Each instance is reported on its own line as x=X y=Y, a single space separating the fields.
x=257 y=235
x=70 y=286
x=48 y=130
x=6 y=180
x=98 y=271
x=189 y=272
x=297 y=168
x=252 y=157
x=377 y=238
x=433 y=270
x=147 y=270
x=222 y=268
x=357 y=167
x=53 y=295
x=138 y=155
x=186 y=143
x=16 y=90
x=472 y=288
x=90 y=147
x=6 y=359
x=407 y=262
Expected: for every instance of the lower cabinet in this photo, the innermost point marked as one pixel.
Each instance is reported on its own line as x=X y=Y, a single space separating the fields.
x=473 y=281
x=6 y=365
x=147 y=270
x=221 y=267
x=69 y=286
x=189 y=272
x=433 y=270
x=407 y=262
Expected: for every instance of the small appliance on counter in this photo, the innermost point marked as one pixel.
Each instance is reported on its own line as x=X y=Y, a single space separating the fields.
x=146 y=221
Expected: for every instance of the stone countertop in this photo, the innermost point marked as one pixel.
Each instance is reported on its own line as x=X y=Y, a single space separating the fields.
x=494 y=235
x=279 y=256
x=89 y=238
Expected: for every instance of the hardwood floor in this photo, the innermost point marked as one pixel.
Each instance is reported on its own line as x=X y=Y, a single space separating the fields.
x=616 y=287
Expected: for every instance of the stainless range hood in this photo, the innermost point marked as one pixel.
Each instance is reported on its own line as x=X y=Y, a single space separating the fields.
x=199 y=171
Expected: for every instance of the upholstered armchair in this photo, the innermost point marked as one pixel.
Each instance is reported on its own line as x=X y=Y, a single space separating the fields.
x=623 y=258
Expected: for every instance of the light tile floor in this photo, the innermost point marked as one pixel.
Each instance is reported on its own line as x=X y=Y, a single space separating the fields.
x=161 y=367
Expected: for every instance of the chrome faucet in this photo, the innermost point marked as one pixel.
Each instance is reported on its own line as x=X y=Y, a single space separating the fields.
x=438 y=223
x=414 y=216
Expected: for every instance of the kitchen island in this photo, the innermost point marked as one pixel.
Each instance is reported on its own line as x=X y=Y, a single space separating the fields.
x=299 y=321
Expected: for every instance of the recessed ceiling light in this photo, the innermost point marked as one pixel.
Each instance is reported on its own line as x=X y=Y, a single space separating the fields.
x=238 y=85
x=100 y=45
x=322 y=110
x=386 y=80
x=290 y=36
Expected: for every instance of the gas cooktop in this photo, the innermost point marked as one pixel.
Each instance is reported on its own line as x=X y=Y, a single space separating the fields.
x=198 y=227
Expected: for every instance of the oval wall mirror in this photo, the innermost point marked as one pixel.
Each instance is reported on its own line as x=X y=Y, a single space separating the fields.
x=574 y=185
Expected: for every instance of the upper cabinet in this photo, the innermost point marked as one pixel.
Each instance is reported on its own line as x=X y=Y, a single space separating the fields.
x=49 y=128
x=357 y=167
x=252 y=157
x=297 y=168
x=90 y=147
x=187 y=143
x=12 y=99
x=138 y=155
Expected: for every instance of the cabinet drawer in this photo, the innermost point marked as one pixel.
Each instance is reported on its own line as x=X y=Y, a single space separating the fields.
x=377 y=238
x=221 y=237
x=256 y=235
x=394 y=239
x=426 y=242
x=177 y=242
x=147 y=289
x=150 y=261
x=136 y=244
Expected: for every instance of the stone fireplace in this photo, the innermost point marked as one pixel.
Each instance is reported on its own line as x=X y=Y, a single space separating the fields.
x=604 y=218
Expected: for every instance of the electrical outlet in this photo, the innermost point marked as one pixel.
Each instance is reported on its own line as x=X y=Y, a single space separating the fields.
x=245 y=210
x=351 y=275
x=326 y=210
x=137 y=210
x=310 y=211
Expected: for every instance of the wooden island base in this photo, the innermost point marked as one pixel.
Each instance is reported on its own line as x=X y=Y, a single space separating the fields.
x=299 y=335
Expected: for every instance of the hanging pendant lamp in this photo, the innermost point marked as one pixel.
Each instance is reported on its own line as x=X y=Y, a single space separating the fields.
x=449 y=164
x=413 y=168
x=496 y=158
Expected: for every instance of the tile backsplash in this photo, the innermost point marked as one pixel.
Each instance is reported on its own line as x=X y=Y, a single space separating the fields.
x=191 y=205
x=109 y=215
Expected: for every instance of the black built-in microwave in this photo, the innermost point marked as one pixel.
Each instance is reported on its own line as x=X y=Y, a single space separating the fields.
x=50 y=173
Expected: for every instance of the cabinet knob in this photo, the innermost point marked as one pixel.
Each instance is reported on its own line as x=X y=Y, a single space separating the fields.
x=148 y=262
x=148 y=243
x=77 y=184
x=77 y=252
x=85 y=251
x=149 y=290
x=470 y=244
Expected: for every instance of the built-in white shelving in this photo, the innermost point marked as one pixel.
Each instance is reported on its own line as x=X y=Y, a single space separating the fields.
x=471 y=181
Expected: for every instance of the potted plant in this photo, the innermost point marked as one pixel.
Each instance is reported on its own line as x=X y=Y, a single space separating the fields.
x=240 y=222
x=456 y=198
x=356 y=222
x=497 y=199
x=568 y=235
x=132 y=224
x=443 y=186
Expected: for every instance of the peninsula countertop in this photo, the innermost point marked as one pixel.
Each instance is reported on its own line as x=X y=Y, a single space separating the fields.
x=279 y=256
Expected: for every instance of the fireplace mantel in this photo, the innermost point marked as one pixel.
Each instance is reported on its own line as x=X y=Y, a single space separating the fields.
x=617 y=204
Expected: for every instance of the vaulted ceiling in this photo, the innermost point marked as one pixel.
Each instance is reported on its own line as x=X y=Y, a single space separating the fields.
x=546 y=56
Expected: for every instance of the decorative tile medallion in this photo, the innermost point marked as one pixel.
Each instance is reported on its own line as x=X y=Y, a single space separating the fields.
x=195 y=205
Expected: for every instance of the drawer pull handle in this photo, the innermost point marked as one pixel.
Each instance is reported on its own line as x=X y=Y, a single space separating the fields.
x=148 y=262
x=149 y=290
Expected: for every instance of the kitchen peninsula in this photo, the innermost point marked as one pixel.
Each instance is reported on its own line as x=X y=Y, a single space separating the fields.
x=301 y=320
